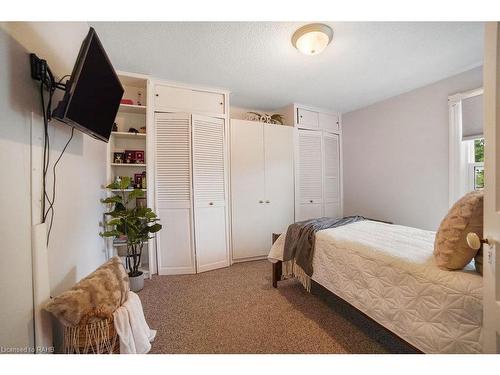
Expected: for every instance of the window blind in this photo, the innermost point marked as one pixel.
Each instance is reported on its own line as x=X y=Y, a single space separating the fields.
x=472 y=117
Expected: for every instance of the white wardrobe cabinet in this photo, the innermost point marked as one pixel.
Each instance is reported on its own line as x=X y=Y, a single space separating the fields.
x=262 y=186
x=307 y=119
x=309 y=170
x=318 y=164
x=329 y=122
x=331 y=175
x=190 y=166
x=317 y=180
x=175 y=250
x=209 y=190
x=173 y=98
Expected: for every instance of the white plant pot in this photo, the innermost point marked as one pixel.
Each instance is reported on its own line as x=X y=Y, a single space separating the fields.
x=136 y=282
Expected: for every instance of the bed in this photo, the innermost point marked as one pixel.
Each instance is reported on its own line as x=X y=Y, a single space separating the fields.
x=388 y=272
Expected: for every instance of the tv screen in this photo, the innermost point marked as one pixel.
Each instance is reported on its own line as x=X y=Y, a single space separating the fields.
x=93 y=93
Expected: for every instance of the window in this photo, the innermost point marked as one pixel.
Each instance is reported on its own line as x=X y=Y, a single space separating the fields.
x=475 y=164
x=466 y=143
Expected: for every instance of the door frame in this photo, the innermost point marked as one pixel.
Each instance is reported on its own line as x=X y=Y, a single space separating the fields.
x=491 y=278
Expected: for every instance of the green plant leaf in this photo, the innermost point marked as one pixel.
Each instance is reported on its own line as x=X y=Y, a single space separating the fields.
x=136 y=193
x=155 y=228
x=114 y=222
x=113 y=185
x=113 y=199
x=125 y=182
x=110 y=233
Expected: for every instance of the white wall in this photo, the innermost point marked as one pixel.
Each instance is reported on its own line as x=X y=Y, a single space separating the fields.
x=17 y=94
x=75 y=247
x=396 y=155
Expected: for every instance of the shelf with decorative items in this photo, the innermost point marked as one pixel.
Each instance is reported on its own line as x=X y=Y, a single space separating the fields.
x=128 y=156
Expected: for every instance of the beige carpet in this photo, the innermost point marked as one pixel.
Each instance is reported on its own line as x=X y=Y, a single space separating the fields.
x=235 y=310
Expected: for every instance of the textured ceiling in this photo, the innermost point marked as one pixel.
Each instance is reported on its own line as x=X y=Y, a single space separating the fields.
x=366 y=62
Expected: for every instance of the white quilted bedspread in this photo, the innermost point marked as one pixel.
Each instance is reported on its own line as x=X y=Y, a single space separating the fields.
x=388 y=272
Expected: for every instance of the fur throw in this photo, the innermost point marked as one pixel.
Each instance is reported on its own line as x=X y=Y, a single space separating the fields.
x=93 y=298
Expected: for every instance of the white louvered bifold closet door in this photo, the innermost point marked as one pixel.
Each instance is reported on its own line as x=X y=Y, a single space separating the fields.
x=309 y=176
x=331 y=180
x=210 y=193
x=173 y=193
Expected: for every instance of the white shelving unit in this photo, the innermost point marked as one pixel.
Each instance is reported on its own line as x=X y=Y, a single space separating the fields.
x=128 y=135
x=133 y=108
x=137 y=88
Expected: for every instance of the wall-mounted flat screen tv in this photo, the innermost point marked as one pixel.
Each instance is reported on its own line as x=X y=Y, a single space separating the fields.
x=93 y=93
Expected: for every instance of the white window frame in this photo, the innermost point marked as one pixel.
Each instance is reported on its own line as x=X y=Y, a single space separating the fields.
x=472 y=164
x=459 y=151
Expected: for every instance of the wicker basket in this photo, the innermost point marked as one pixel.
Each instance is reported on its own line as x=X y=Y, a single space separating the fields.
x=94 y=338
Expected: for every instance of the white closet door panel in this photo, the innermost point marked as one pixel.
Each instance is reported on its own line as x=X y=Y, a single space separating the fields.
x=331 y=168
x=209 y=191
x=173 y=193
x=208 y=102
x=173 y=157
x=308 y=211
x=307 y=119
x=332 y=210
x=279 y=179
x=310 y=167
x=208 y=161
x=176 y=254
x=168 y=97
x=249 y=226
x=329 y=122
x=211 y=246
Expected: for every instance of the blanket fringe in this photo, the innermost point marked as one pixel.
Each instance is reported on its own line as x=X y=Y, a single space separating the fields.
x=292 y=269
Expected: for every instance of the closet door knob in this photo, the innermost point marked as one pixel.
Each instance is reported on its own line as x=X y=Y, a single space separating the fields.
x=221 y=103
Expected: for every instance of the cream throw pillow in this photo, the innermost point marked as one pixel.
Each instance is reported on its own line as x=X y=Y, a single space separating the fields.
x=450 y=247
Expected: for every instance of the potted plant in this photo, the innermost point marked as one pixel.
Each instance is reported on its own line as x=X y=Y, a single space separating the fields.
x=136 y=224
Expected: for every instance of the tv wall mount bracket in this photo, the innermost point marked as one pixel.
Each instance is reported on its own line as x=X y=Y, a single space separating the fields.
x=40 y=71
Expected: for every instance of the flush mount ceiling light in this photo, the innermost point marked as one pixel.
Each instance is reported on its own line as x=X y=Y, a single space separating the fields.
x=313 y=38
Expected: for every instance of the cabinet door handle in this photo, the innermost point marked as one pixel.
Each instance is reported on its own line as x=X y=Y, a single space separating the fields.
x=157 y=95
x=261 y=201
x=268 y=202
x=211 y=204
x=221 y=103
x=311 y=201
